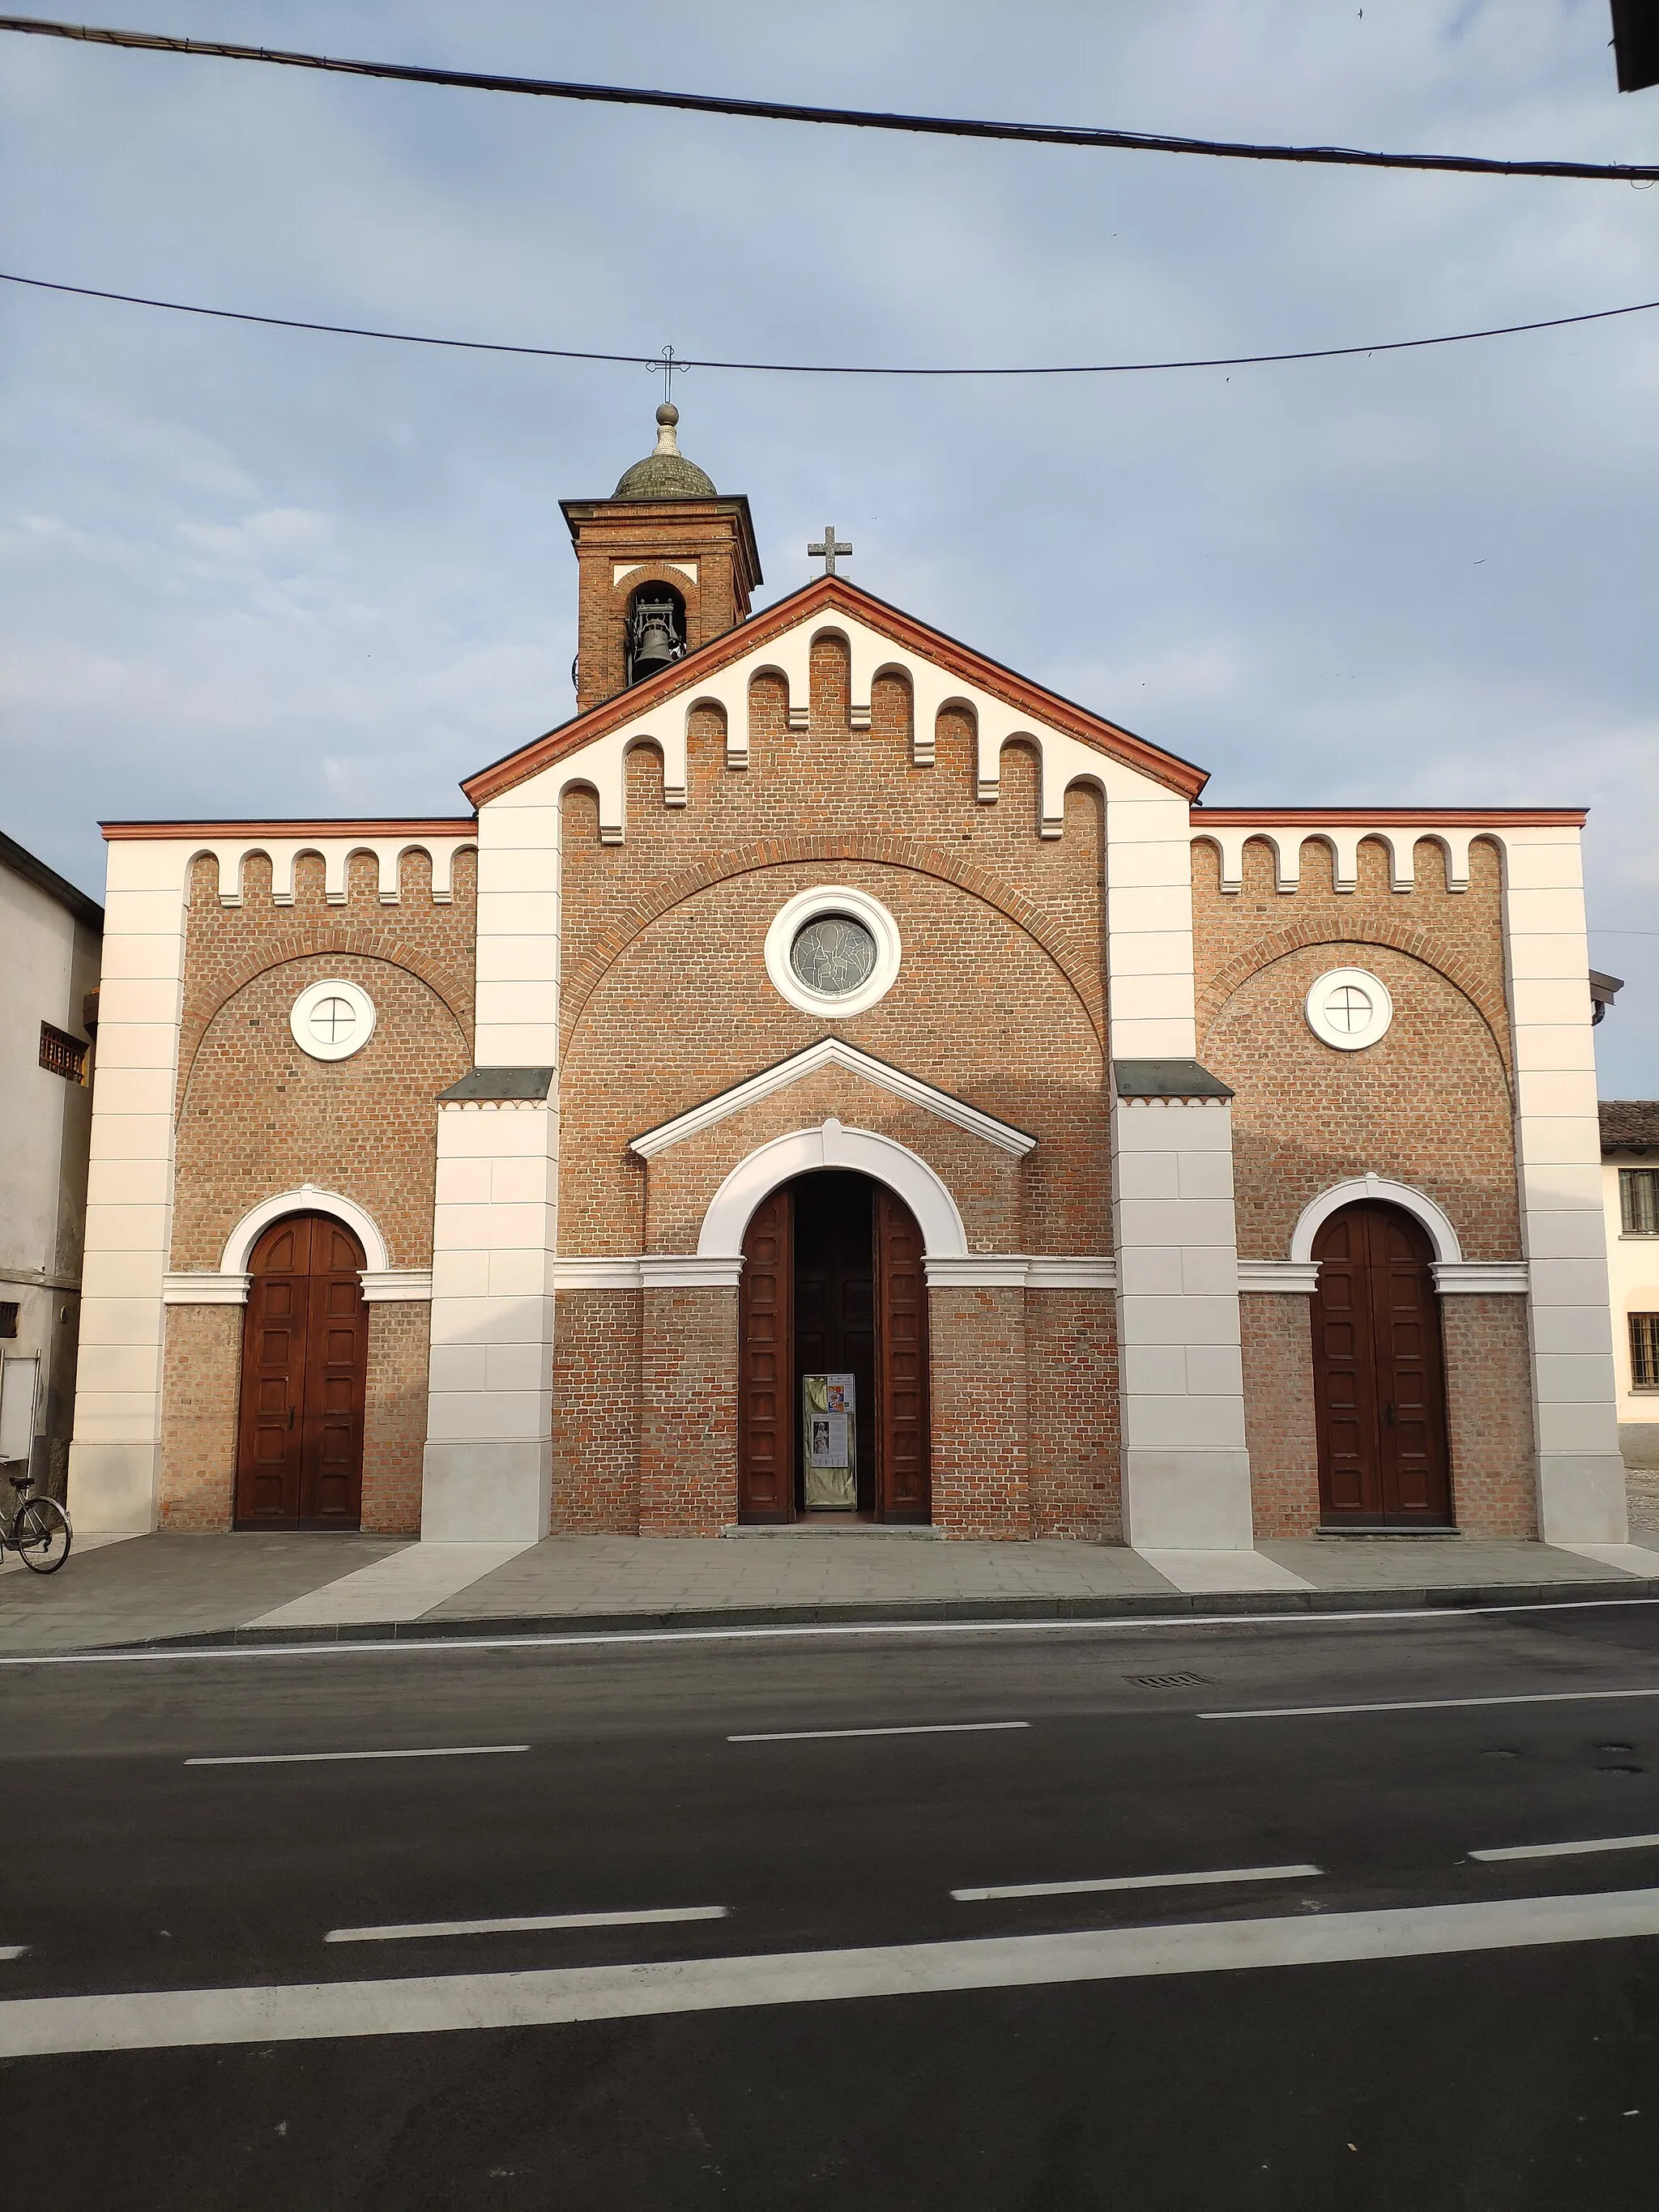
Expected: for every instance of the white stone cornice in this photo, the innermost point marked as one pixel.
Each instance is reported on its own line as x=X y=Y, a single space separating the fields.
x=1086 y=1271
x=678 y=1270
x=1006 y=1271
x=1293 y=1275
x=1469 y=1277
x=833 y=1052
x=1067 y=1271
x=596 y=1271
x=204 y=1286
x=387 y=1285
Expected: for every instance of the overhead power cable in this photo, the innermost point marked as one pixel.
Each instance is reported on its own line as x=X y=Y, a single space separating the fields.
x=824 y=367
x=858 y=119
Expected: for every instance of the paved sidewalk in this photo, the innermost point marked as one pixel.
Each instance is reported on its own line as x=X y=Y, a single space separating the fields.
x=255 y=1589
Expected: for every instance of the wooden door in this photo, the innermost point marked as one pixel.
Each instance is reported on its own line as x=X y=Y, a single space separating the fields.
x=905 y=1490
x=1379 y=1373
x=305 y=1357
x=766 y=1376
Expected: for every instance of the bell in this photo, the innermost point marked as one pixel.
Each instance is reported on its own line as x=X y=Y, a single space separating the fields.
x=656 y=647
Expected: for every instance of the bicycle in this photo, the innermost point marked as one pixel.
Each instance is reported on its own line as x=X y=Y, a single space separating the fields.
x=37 y=1528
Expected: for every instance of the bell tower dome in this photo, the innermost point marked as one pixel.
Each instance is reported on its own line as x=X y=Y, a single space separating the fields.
x=663 y=566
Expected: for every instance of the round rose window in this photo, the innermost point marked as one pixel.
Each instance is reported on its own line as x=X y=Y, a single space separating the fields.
x=833 y=954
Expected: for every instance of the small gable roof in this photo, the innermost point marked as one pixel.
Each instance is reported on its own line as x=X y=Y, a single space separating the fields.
x=832 y=1052
x=838 y=594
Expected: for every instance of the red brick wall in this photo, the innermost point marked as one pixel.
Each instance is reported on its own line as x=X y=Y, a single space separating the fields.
x=394 y=1419
x=596 y=1413
x=1071 y=1400
x=257 y=1115
x=979 y=1459
x=688 y=1412
x=1489 y=1412
x=1280 y=1425
x=1428 y=1105
x=201 y=1367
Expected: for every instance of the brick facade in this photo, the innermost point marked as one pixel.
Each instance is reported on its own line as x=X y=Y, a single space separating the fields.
x=664 y=1002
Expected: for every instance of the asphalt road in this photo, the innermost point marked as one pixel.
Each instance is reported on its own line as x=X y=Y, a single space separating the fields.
x=1345 y=2008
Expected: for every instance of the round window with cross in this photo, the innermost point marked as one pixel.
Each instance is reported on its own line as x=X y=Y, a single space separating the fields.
x=332 y=1019
x=1349 y=1009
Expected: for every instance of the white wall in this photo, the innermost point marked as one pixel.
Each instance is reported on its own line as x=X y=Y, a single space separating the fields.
x=1634 y=1285
x=48 y=962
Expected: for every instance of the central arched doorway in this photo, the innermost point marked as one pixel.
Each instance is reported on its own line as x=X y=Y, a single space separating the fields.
x=305 y=1361
x=833 y=1286
x=1379 y=1373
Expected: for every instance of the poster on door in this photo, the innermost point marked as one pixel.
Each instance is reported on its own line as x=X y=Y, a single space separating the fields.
x=829 y=1442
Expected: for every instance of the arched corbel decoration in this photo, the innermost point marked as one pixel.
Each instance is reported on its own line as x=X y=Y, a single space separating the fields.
x=833 y=1145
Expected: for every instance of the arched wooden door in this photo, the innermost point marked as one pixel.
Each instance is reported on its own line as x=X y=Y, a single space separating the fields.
x=305 y=1357
x=1379 y=1374
x=833 y=1282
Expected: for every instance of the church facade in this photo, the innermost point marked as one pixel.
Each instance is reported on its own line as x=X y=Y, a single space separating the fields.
x=832 y=1073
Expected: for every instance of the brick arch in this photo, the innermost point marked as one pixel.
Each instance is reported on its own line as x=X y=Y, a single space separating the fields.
x=303 y=944
x=1068 y=949
x=1397 y=937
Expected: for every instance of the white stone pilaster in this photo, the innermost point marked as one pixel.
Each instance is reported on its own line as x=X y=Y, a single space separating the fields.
x=1581 y=1475
x=1186 y=1469
x=1180 y=1384
x=487 y=1471
x=115 y=1457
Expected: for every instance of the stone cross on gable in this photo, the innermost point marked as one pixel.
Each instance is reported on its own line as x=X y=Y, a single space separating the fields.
x=826 y=551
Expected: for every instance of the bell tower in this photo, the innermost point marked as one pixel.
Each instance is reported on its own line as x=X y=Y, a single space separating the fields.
x=663 y=566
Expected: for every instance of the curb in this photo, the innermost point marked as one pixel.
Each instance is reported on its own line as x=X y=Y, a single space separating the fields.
x=1132 y=1605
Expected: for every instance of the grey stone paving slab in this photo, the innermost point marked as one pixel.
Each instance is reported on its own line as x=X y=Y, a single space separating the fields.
x=1429 y=1562
x=600 y=1575
x=171 y=1585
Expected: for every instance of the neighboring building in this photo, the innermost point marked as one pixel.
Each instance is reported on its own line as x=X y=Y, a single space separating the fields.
x=1630 y=1183
x=50 y=942
x=832 y=1071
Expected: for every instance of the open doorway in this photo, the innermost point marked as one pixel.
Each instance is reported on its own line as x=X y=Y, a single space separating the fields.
x=832 y=1413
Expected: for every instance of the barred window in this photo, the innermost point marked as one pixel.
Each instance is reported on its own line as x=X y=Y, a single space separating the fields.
x=8 y=1316
x=1644 y=1351
x=1638 y=1200
x=61 y=1053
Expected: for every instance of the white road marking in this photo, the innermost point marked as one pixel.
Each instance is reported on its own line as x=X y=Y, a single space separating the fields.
x=160 y=2020
x=1130 y=1624
x=925 y=1728
x=12 y=1950
x=530 y=1924
x=330 y=1758
x=1570 y=1851
x=1424 y=1704
x=1134 y=1881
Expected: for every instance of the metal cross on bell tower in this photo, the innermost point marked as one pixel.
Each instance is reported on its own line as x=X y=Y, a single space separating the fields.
x=826 y=551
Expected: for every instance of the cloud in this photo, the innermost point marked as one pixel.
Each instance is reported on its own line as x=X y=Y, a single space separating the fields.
x=248 y=569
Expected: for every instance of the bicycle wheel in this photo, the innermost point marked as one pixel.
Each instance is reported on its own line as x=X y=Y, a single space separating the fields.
x=42 y=1535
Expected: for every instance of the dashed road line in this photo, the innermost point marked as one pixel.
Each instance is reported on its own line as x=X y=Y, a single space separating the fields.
x=924 y=1727
x=992 y=1890
x=333 y=1758
x=1422 y=1704
x=525 y=1924
x=1570 y=1851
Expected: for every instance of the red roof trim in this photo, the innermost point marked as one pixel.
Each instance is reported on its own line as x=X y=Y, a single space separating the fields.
x=836 y=592
x=1389 y=817
x=345 y=826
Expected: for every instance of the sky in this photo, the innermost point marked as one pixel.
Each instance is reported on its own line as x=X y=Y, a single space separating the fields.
x=251 y=572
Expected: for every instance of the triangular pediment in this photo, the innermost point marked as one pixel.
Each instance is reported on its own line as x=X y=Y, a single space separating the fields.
x=832 y=1052
x=882 y=635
